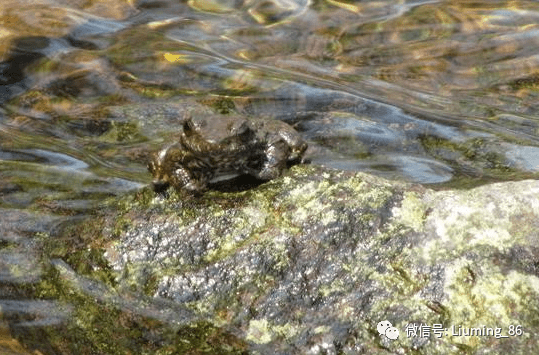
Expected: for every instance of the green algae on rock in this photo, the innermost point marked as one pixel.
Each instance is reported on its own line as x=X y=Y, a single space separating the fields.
x=312 y=261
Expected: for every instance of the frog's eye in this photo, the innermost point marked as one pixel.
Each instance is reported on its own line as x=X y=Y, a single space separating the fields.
x=189 y=127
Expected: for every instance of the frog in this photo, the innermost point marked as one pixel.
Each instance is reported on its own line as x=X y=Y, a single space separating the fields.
x=220 y=147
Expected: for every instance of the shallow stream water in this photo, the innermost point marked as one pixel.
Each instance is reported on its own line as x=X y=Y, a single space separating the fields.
x=442 y=93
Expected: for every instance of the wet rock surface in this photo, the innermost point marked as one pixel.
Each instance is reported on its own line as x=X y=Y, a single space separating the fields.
x=311 y=262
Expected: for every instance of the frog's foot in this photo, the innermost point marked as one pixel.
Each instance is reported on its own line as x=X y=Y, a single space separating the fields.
x=296 y=155
x=195 y=187
x=269 y=173
x=183 y=179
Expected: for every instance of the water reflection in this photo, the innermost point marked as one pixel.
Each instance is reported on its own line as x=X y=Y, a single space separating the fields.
x=58 y=160
x=24 y=51
x=39 y=313
x=523 y=157
x=40 y=176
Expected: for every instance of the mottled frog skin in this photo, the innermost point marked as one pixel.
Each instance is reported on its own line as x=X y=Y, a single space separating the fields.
x=220 y=147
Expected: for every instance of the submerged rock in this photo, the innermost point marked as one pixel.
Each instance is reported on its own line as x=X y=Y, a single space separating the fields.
x=312 y=262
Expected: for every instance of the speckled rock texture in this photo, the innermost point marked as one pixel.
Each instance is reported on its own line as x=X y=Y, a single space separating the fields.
x=311 y=262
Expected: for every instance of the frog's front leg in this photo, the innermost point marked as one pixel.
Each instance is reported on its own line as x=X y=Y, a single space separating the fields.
x=189 y=180
x=276 y=155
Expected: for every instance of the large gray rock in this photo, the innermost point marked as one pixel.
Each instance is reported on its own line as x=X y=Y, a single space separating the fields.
x=311 y=262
